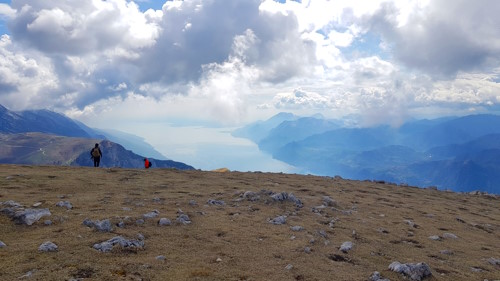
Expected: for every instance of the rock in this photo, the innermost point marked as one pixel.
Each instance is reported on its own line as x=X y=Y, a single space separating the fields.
x=435 y=237
x=251 y=196
x=139 y=222
x=150 y=215
x=476 y=269
x=218 y=260
x=307 y=250
x=382 y=230
x=289 y=267
x=416 y=272
x=102 y=226
x=297 y=228
x=30 y=216
x=2 y=244
x=411 y=223
x=28 y=274
x=446 y=252
x=215 y=202
x=318 y=209
x=450 y=236
x=278 y=220
x=183 y=218
x=37 y=204
x=164 y=222
x=376 y=277
x=121 y=224
x=327 y=201
x=192 y=203
x=283 y=196
x=125 y=244
x=64 y=204
x=492 y=261
x=47 y=222
x=160 y=258
x=346 y=246
x=48 y=247
x=322 y=233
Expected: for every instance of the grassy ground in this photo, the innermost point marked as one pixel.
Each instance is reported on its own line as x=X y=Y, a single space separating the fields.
x=236 y=241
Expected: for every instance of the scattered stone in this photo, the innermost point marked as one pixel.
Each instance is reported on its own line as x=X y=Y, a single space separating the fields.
x=278 y=220
x=297 y=228
x=476 y=269
x=450 y=236
x=460 y=220
x=215 y=202
x=332 y=222
x=28 y=274
x=327 y=201
x=140 y=236
x=218 y=260
x=446 y=252
x=139 y=222
x=411 y=223
x=312 y=241
x=48 y=247
x=307 y=250
x=47 y=222
x=29 y=216
x=164 y=222
x=435 y=237
x=289 y=267
x=37 y=204
x=126 y=209
x=152 y=214
x=161 y=258
x=322 y=233
x=382 y=230
x=121 y=224
x=192 y=203
x=2 y=244
x=318 y=209
x=64 y=204
x=376 y=277
x=125 y=244
x=283 y=196
x=337 y=177
x=102 y=226
x=183 y=218
x=416 y=272
x=492 y=261
x=251 y=196
x=346 y=246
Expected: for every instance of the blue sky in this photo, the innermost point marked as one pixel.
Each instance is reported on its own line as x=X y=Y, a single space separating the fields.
x=223 y=64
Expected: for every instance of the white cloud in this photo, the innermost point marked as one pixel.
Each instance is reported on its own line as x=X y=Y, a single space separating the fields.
x=228 y=60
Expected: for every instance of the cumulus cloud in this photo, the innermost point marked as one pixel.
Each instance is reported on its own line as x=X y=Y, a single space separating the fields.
x=226 y=59
x=442 y=38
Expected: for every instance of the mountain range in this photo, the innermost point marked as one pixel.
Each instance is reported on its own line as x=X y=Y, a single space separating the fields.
x=457 y=153
x=46 y=137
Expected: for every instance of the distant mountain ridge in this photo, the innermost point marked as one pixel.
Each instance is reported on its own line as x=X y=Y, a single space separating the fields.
x=459 y=153
x=47 y=149
x=46 y=121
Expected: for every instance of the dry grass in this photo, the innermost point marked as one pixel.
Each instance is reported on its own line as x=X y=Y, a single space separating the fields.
x=238 y=233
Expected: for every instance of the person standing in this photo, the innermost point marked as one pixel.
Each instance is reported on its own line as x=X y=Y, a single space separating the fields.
x=147 y=163
x=96 y=155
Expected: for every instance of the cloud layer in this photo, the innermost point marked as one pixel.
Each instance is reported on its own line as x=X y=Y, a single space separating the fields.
x=234 y=61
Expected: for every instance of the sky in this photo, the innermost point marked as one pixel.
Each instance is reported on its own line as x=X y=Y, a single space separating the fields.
x=161 y=68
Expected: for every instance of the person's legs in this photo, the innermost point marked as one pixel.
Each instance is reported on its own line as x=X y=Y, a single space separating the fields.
x=98 y=159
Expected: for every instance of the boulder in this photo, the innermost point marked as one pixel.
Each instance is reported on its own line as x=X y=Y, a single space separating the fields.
x=415 y=271
x=125 y=244
x=48 y=247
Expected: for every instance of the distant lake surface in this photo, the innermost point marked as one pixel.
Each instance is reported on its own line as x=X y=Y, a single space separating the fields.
x=212 y=148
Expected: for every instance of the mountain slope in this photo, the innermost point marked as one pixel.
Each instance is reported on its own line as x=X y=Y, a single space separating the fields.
x=45 y=121
x=46 y=149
